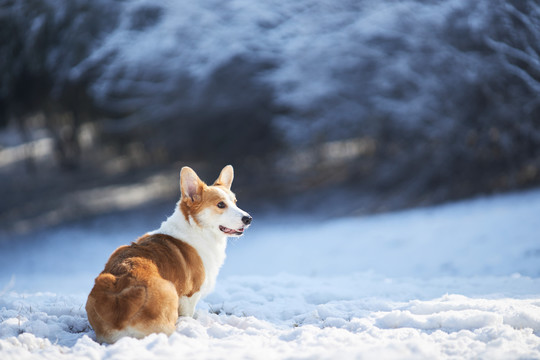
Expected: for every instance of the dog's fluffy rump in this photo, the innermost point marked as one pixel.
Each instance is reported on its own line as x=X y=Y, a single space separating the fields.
x=145 y=286
x=140 y=286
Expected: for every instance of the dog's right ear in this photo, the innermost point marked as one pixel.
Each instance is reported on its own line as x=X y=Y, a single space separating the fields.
x=190 y=184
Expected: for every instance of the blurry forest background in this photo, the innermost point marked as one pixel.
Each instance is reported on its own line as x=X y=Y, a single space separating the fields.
x=367 y=105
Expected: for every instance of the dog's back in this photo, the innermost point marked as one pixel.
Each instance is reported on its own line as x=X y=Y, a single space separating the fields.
x=138 y=291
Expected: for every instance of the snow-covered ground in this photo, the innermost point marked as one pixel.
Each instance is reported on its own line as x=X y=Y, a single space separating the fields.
x=455 y=281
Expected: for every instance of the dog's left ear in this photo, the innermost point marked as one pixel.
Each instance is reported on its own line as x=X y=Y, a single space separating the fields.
x=225 y=177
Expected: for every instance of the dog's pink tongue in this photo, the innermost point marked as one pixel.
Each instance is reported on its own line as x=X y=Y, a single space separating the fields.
x=227 y=230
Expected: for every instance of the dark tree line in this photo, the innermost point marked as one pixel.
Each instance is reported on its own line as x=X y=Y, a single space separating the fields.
x=42 y=43
x=446 y=93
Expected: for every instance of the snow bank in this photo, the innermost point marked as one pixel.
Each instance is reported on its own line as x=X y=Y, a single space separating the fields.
x=482 y=238
x=59 y=319
x=288 y=317
x=454 y=281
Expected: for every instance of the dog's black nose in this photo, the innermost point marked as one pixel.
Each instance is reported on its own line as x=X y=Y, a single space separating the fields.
x=247 y=220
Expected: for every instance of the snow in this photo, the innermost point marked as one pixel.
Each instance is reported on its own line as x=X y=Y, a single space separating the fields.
x=460 y=280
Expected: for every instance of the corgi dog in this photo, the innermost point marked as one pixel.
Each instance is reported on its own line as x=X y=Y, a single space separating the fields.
x=147 y=285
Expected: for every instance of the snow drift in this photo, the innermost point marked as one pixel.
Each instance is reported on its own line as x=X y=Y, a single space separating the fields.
x=455 y=281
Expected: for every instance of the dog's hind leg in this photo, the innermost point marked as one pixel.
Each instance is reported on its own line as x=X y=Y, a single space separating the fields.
x=186 y=305
x=160 y=312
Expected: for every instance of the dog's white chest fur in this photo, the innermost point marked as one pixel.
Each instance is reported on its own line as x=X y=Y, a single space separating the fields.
x=209 y=245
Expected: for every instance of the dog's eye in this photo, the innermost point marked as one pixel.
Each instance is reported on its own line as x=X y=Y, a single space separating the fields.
x=221 y=205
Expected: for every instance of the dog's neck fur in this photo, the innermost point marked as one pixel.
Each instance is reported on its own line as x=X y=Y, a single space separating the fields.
x=209 y=245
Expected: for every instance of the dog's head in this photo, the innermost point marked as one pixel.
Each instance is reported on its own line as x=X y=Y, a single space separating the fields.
x=212 y=207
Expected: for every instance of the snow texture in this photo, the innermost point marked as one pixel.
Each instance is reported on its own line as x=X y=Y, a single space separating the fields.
x=450 y=282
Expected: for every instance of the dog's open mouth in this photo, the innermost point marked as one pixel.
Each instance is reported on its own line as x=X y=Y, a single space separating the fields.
x=231 y=231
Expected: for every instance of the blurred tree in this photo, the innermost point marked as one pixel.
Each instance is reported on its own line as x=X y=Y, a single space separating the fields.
x=444 y=92
x=41 y=44
x=448 y=91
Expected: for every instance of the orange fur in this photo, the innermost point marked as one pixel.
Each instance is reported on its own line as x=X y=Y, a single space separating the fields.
x=208 y=198
x=140 y=286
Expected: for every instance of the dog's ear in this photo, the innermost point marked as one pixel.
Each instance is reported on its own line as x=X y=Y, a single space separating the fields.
x=190 y=184
x=225 y=177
